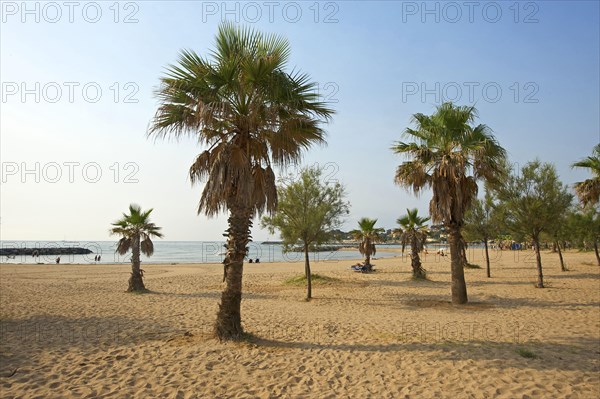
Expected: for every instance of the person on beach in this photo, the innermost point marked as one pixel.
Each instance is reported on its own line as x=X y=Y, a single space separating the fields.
x=57 y=260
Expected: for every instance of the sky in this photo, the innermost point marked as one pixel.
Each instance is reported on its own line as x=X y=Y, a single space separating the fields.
x=78 y=82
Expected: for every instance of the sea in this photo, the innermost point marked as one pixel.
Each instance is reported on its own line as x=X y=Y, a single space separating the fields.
x=175 y=252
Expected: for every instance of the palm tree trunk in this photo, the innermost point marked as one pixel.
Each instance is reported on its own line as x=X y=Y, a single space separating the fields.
x=459 y=287
x=487 y=257
x=560 y=256
x=229 y=320
x=136 y=282
x=368 y=255
x=596 y=251
x=418 y=271
x=307 y=272
x=538 y=258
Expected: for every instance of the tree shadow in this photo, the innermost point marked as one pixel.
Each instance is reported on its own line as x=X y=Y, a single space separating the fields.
x=577 y=354
x=572 y=275
x=22 y=340
x=209 y=295
x=411 y=283
x=491 y=281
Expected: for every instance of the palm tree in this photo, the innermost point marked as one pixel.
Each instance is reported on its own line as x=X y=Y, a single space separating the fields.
x=449 y=155
x=588 y=190
x=251 y=115
x=136 y=232
x=368 y=235
x=413 y=231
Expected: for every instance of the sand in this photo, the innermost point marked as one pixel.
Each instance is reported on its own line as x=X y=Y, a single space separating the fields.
x=70 y=331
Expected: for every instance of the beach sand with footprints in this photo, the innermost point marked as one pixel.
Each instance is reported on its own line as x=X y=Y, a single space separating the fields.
x=70 y=331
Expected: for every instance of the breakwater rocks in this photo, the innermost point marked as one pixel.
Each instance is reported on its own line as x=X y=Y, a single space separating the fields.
x=45 y=251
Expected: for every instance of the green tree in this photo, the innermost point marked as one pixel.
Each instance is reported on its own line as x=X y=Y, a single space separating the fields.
x=368 y=235
x=559 y=232
x=588 y=190
x=413 y=232
x=584 y=227
x=250 y=114
x=481 y=223
x=531 y=202
x=308 y=212
x=449 y=156
x=136 y=233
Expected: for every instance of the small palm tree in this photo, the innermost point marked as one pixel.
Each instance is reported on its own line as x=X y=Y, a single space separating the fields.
x=368 y=235
x=588 y=190
x=449 y=155
x=136 y=232
x=413 y=232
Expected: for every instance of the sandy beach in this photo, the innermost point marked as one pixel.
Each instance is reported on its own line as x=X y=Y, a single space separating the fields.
x=70 y=331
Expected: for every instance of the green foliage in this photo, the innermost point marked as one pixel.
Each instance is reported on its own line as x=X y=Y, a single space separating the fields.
x=368 y=235
x=526 y=353
x=588 y=190
x=247 y=110
x=309 y=210
x=136 y=227
x=481 y=220
x=583 y=227
x=533 y=201
x=449 y=155
x=413 y=230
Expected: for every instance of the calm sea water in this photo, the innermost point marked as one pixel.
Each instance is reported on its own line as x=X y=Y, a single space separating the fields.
x=176 y=252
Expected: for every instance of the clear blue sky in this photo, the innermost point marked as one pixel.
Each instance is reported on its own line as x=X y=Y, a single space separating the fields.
x=532 y=69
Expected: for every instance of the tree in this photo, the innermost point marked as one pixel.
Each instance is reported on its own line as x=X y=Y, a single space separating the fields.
x=560 y=231
x=413 y=231
x=449 y=156
x=308 y=212
x=588 y=190
x=251 y=115
x=368 y=235
x=481 y=224
x=136 y=233
x=531 y=202
x=584 y=226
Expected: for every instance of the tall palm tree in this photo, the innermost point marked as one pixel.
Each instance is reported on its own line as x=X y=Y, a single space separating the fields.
x=136 y=233
x=368 y=235
x=250 y=115
x=413 y=232
x=588 y=190
x=449 y=155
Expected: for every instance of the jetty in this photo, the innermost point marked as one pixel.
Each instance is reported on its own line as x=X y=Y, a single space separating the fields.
x=45 y=251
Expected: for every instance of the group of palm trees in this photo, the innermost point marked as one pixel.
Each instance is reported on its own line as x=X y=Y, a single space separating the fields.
x=252 y=116
x=412 y=231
